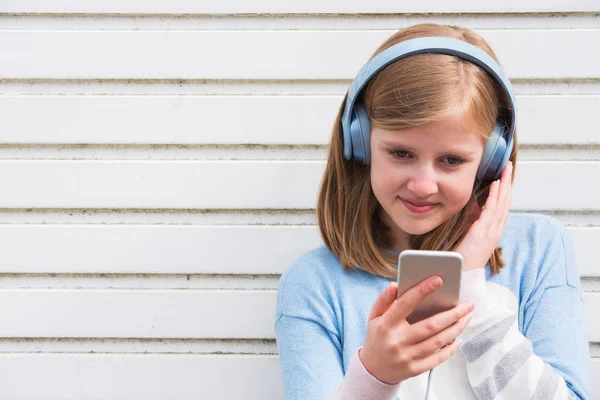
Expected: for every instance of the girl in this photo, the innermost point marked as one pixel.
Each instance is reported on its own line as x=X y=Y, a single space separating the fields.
x=422 y=156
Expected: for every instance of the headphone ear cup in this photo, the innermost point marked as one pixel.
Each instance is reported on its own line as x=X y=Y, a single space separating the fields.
x=495 y=155
x=360 y=131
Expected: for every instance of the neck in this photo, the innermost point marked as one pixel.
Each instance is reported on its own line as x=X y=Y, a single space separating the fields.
x=400 y=239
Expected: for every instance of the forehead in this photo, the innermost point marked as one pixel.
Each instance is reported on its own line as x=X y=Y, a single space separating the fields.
x=452 y=130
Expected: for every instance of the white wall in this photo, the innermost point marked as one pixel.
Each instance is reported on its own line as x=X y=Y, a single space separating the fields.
x=159 y=162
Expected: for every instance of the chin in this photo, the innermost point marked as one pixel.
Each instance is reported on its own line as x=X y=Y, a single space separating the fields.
x=419 y=226
x=418 y=229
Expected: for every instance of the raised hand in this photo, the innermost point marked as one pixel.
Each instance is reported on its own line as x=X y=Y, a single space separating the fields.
x=484 y=234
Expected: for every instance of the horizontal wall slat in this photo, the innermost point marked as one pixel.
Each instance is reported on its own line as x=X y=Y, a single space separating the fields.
x=180 y=184
x=241 y=184
x=585 y=242
x=148 y=377
x=168 y=119
x=307 y=6
x=557 y=119
x=199 y=314
x=154 y=249
x=299 y=54
x=591 y=306
x=184 y=249
x=254 y=119
x=175 y=314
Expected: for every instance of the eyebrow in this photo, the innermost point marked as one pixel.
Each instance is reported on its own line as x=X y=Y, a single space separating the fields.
x=454 y=150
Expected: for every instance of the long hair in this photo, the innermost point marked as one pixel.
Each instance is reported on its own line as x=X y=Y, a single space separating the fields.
x=407 y=93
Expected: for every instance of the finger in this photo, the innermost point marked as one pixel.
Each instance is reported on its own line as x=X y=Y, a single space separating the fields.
x=384 y=301
x=409 y=300
x=494 y=197
x=435 y=359
x=427 y=328
x=503 y=200
x=508 y=195
x=489 y=209
x=441 y=339
x=507 y=207
x=505 y=185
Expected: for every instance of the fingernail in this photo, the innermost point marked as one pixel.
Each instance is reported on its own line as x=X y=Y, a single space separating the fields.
x=435 y=282
x=469 y=307
x=459 y=342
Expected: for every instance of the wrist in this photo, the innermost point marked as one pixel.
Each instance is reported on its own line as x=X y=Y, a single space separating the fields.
x=369 y=369
x=360 y=384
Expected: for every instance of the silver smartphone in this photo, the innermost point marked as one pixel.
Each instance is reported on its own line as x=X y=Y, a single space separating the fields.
x=415 y=266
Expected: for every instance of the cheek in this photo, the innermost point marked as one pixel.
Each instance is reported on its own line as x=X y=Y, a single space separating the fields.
x=459 y=188
x=376 y=182
x=384 y=179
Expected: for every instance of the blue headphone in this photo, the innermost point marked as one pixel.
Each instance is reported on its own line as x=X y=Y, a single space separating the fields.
x=356 y=126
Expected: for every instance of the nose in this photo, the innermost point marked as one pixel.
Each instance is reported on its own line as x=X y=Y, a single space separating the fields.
x=423 y=181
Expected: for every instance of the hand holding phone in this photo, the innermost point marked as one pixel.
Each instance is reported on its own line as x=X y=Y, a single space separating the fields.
x=394 y=349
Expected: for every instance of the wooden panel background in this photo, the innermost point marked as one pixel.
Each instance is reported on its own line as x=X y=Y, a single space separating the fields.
x=309 y=6
x=159 y=163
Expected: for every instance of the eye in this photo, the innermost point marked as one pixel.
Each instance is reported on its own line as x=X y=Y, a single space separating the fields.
x=453 y=160
x=400 y=153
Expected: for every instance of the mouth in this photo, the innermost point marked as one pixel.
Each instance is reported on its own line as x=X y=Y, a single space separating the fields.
x=418 y=207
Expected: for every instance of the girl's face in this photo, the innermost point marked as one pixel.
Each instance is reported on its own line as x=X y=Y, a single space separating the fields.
x=423 y=175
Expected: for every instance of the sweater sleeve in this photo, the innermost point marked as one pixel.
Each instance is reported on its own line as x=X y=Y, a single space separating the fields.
x=309 y=330
x=550 y=361
x=359 y=384
x=309 y=339
x=310 y=359
x=312 y=366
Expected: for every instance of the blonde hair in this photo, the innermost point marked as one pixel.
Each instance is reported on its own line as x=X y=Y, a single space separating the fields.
x=407 y=93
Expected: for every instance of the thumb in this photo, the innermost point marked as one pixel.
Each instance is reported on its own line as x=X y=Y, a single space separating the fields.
x=384 y=301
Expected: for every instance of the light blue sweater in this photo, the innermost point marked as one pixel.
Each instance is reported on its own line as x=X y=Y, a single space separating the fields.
x=322 y=313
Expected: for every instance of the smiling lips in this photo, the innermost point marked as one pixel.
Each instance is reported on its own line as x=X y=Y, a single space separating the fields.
x=418 y=207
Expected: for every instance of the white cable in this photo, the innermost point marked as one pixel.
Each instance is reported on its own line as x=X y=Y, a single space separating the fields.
x=428 y=382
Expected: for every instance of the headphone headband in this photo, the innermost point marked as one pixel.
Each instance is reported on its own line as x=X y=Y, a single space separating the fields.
x=432 y=44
